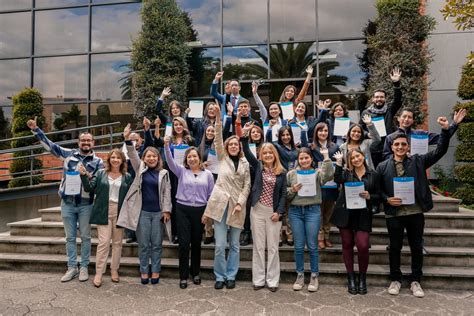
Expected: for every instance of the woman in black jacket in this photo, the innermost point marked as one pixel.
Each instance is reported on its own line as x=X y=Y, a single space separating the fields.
x=355 y=221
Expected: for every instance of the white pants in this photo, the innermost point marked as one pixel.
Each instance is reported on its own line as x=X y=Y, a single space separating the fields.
x=265 y=232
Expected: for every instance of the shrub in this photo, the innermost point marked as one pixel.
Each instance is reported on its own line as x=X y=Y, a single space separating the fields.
x=464 y=152
x=466 y=194
x=466 y=83
x=465 y=173
x=466 y=132
x=470 y=110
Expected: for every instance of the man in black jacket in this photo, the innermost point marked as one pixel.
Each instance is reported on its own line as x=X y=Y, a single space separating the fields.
x=400 y=214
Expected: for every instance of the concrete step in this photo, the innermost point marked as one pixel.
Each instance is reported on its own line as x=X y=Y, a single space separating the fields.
x=441 y=237
x=445 y=204
x=51 y=214
x=463 y=219
x=458 y=278
x=436 y=256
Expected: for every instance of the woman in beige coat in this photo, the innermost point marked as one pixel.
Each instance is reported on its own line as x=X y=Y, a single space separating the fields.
x=225 y=206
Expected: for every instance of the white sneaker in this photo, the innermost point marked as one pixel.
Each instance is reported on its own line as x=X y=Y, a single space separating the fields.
x=299 y=283
x=70 y=274
x=394 y=288
x=313 y=283
x=83 y=274
x=416 y=289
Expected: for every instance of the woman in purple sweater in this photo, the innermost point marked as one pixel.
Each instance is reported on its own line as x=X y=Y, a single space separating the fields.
x=195 y=185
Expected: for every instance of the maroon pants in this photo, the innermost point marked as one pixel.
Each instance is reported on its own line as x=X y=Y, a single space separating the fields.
x=361 y=240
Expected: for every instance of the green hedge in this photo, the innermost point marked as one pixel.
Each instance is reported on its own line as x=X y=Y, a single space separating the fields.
x=464 y=152
x=466 y=132
x=466 y=83
x=470 y=110
x=465 y=173
x=466 y=194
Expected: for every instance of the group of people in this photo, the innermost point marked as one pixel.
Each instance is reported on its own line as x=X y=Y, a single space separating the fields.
x=238 y=178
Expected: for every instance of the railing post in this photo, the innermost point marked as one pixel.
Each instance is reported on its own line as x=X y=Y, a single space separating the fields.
x=31 y=166
x=111 y=129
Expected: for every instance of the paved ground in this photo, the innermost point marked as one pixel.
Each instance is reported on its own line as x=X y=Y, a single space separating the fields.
x=43 y=294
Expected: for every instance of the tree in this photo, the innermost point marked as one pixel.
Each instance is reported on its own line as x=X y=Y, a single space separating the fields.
x=26 y=105
x=462 y=11
x=4 y=133
x=397 y=38
x=159 y=55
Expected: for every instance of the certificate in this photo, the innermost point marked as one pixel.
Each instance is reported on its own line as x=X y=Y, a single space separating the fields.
x=308 y=179
x=212 y=162
x=73 y=183
x=287 y=110
x=169 y=129
x=353 y=199
x=178 y=153
x=196 y=108
x=331 y=184
x=419 y=143
x=379 y=124
x=296 y=133
x=253 y=149
x=404 y=188
x=341 y=126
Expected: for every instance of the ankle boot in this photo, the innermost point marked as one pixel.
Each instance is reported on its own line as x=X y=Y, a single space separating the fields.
x=362 y=284
x=351 y=284
x=245 y=239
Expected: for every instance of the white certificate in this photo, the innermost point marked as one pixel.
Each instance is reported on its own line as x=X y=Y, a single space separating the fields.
x=196 y=108
x=253 y=149
x=73 y=183
x=331 y=184
x=341 y=126
x=296 y=133
x=287 y=110
x=178 y=153
x=212 y=162
x=379 y=124
x=353 y=199
x=419 y=143
x=404 y=188
x=308 y=179
x=169 y=129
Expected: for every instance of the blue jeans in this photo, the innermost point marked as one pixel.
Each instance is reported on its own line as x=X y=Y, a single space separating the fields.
x=71 y=215
x=150 y=238
x=226 y=269
x=305 y=222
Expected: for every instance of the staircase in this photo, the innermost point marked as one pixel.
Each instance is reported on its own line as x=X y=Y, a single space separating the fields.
x=38 y=245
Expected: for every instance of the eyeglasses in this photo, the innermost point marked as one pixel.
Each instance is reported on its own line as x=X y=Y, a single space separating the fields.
x=400 y=144
x=86 y=140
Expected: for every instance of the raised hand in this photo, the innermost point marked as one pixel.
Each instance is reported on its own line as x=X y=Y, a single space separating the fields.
x=187 y=110
x=443 y=122
x=272 y=122
x=165 y=93
x=146 y=123
x=230 y=109
x=367 y=119
x=338 y=155
x=127 y=131
x=239 y=114
x=218 y=113
x=309 y=70
x=254 y=87
x=32 y=123
x=325 y=152
x=167 y=140
x=459 y=116
x=219 y=75
x=157 y=122
x=395 y=74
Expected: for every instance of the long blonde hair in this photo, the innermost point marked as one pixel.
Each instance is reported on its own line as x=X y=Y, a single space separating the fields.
x=278 y=167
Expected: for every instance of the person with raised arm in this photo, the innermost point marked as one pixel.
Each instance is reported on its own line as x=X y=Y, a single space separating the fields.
x=289 y=92
x=175 y=108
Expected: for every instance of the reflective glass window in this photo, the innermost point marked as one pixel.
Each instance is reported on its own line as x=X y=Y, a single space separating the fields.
x=61 y=31
x=15 y=76
x=105 y=33
x=15 y=37
x=58 y=3
x=15 y=5
x=109 y=1
x=353 y=101
x=65 y=116
x=110 y=77
x=205 y=16
x=339 y=19
x=339 y=69
x=204 y=64
x=247 y=62
x=245 y=21
x=61 y=79
x=292 y=20
x=291 y=60
x=108 y=112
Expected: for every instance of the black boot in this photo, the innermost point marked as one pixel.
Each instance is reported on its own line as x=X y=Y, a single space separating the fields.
x=245 y=239
x=351 y=284
x=362 y=284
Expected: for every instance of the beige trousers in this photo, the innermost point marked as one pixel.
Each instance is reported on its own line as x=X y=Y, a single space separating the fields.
x=265 y=232
x=327 y=208
x=106 y=233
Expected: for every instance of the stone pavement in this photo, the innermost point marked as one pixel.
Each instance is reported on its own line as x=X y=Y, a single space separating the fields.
x=43 y=294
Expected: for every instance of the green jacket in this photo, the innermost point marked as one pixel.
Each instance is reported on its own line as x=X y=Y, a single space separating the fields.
x=99 y=183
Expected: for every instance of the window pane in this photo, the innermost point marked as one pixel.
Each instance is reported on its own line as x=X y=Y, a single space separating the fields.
x=65 y=116
x=15 y=37
x=292 y=20
x=58 y=3
x=15 y=5
x=339 y=69
x=204 y=65
x=16 y=77
x=338 y=19
x=105 y=33
x=201 y=12
x=61 y=79
x=61 y=31
x=353 y=101
x=109 y=1
x=291 y=60
x=245 y=21
x=108 y=112
x=108 y=74
x=245 y=62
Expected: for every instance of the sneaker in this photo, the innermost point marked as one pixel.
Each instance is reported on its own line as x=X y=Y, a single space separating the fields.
x=70 y=274
x=416 y=289
x=394 y=288
x=299 y=283
x=313 y=283
x=83 y=274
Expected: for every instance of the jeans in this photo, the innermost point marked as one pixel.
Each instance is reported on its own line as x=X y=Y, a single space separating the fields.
x=305 y=221
x=226 y=269
x=71 y=215
x=150 y=239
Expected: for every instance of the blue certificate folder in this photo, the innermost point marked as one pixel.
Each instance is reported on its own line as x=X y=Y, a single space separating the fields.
x=309 y=171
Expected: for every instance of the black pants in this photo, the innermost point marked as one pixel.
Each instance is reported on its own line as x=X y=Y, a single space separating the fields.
x=190 y=231
x=248 y=206
x=414 y=225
